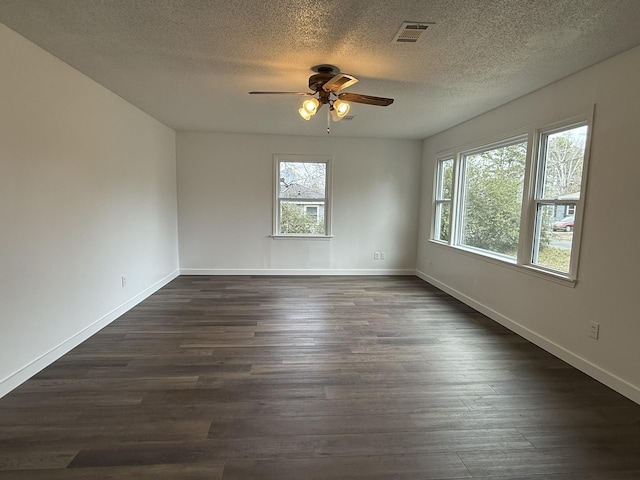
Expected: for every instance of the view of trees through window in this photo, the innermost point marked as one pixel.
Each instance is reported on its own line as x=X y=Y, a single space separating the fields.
x=563 y=162
x=443 y=199
x=480 y=197
x=492 y=198
x=558 y=192
x=302 y=190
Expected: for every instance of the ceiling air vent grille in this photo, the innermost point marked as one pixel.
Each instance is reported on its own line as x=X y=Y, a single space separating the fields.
x=410 y=32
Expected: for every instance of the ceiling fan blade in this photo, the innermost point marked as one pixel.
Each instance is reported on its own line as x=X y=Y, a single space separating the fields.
x=280 y=93
x=338 y=82
x=368 y=99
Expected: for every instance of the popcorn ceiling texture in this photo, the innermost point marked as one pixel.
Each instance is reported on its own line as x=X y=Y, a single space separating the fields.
x=190 y=63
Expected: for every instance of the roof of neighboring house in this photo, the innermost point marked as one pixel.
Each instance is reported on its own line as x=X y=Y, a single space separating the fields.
x=295 y=190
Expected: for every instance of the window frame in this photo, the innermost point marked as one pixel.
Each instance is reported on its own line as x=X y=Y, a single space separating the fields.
x=462 y=193
x=438 y=201
x=279 y=158
x=538 y=200
x=534 y=164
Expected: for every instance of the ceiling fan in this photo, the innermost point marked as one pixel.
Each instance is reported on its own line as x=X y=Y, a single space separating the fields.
x=325 y=85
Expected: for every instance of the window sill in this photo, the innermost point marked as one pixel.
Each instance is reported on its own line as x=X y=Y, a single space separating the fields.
x=302 y=237
x=511 y=264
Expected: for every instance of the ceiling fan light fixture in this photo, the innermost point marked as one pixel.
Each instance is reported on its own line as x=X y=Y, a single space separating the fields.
x=325 y=86
x=334 y=115
x=341 y=108
x=310 y=106
x=304 y=114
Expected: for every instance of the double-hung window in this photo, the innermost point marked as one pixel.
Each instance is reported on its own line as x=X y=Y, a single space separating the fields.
x=511 y=202
x=302 y=191
x=561 y=155
x=444 y=188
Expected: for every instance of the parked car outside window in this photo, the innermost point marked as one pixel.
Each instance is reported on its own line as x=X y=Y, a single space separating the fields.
x=564 y=225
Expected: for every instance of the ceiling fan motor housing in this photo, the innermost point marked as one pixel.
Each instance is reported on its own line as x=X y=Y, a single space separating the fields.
x=318 y=80
x=325 y=73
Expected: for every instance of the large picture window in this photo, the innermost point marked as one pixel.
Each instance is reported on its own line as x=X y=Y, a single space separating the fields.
x=491 y=205
x=515 y=203
x=302 y=186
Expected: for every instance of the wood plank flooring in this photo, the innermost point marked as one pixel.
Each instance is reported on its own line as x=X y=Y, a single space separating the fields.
x=323 y=378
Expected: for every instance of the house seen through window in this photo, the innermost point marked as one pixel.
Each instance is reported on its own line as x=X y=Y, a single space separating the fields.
x=301 y=206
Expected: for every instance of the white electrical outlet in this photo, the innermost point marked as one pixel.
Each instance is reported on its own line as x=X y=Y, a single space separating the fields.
x=124 y=281
x=381 y=255
x=376 y=255
x=594 y=330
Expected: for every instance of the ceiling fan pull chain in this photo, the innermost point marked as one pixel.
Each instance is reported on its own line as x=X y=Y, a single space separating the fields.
x=328 y=121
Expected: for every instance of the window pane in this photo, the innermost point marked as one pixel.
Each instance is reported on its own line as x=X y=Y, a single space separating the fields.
x=492 y=198
x=445 y=179
x=554 y=237
x=294 y=219
x=560 y=180
x=444 y=187
x=443 y=227
x=302 y=180
x=564 y=157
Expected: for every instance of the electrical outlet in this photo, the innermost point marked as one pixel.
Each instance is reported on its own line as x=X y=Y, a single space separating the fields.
x=594 y=330
x=376 y=255
x=381 y=255
x=124 y=281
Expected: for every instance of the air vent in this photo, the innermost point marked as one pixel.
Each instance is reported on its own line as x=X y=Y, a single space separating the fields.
x=348 y=118
x=410 y=32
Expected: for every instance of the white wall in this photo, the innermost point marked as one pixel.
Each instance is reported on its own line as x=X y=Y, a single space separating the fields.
x=87 y=194
x=554 y=316
x=225 y=188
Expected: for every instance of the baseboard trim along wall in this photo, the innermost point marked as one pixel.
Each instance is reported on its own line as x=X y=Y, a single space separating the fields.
x=603 y=376
x=298 y=271
x=616 y=383
x=29 y=370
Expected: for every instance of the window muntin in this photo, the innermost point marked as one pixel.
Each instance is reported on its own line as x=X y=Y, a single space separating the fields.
x=558 y=189
x=491 y=206
x=444 y=190
x=302 y=195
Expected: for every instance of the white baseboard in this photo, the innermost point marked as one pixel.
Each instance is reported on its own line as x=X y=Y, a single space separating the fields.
x=296 y=271
x=616 y=383
x=29 y=370
x=603 y=376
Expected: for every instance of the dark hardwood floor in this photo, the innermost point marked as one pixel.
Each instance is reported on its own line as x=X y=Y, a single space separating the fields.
x=313 y=378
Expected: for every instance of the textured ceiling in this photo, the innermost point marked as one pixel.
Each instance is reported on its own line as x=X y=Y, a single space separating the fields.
x=190 y=63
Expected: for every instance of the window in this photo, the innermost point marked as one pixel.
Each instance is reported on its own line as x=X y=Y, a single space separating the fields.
x=302 y=186
x=311 y=211
x=491 y=203
x=559 y=183
x=444 y=187
x=519 y=200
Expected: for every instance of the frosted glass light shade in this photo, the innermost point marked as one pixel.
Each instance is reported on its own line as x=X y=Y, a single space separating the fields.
x=304 y=114
x=341 y=108
x=311 y=105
